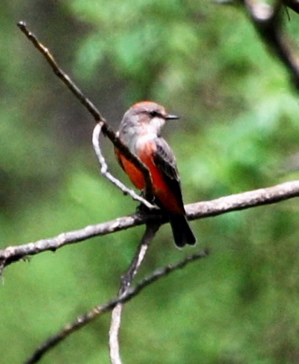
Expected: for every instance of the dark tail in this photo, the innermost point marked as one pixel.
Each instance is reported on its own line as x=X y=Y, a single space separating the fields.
x=181 y=230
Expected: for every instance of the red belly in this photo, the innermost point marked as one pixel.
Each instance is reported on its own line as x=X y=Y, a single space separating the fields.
x=164 y=194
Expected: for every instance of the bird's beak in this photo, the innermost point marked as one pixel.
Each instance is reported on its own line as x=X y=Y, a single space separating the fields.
x=171 y=117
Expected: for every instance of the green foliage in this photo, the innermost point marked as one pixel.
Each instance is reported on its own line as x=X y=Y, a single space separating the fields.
x=238 y=131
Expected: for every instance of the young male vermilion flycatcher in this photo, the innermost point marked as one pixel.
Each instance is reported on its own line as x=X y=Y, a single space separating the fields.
x=140 y=130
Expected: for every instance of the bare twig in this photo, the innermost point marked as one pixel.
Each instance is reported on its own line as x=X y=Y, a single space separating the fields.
x=83 y=320
x=91 y=108
x=194 y=211
x=126 y=281
x=104 y=169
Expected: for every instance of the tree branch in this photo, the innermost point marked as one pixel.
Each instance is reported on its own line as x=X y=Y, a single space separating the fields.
x=91 y=108
x=194 y=211
x=83 y=320
x=245 y=200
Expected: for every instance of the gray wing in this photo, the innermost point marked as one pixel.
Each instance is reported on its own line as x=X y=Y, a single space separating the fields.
x=165 y=160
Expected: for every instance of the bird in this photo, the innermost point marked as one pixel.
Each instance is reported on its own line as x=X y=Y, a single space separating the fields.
x=140 y=130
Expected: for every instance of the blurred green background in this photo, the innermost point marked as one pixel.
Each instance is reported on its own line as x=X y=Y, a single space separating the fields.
x=238 y=131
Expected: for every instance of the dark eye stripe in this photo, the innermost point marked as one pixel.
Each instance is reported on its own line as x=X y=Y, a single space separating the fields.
x=155 y=113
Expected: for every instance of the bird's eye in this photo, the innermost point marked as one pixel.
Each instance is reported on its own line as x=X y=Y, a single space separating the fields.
x=155 y=113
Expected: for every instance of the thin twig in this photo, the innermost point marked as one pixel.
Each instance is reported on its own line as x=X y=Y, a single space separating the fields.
x=91 y=108
x=194 y=211
x=104 y=169
x=126 y=281
x=83 y=320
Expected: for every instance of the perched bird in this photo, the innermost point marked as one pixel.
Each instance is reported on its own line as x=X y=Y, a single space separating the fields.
x=140 y=131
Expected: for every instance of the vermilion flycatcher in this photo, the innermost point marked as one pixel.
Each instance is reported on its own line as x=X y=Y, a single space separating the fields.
x=140 y=130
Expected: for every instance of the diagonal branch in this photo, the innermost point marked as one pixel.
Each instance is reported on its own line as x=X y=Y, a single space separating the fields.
x=91 y=108
x=241 y=201
x=245 y=200
x=86 y=318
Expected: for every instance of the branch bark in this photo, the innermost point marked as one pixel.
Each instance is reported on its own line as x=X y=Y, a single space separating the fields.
x=194 y=211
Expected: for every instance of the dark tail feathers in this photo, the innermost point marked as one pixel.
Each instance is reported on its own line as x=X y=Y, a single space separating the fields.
x=181 y=230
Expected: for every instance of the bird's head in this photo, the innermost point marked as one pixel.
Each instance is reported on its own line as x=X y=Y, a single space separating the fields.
x=147 y=116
